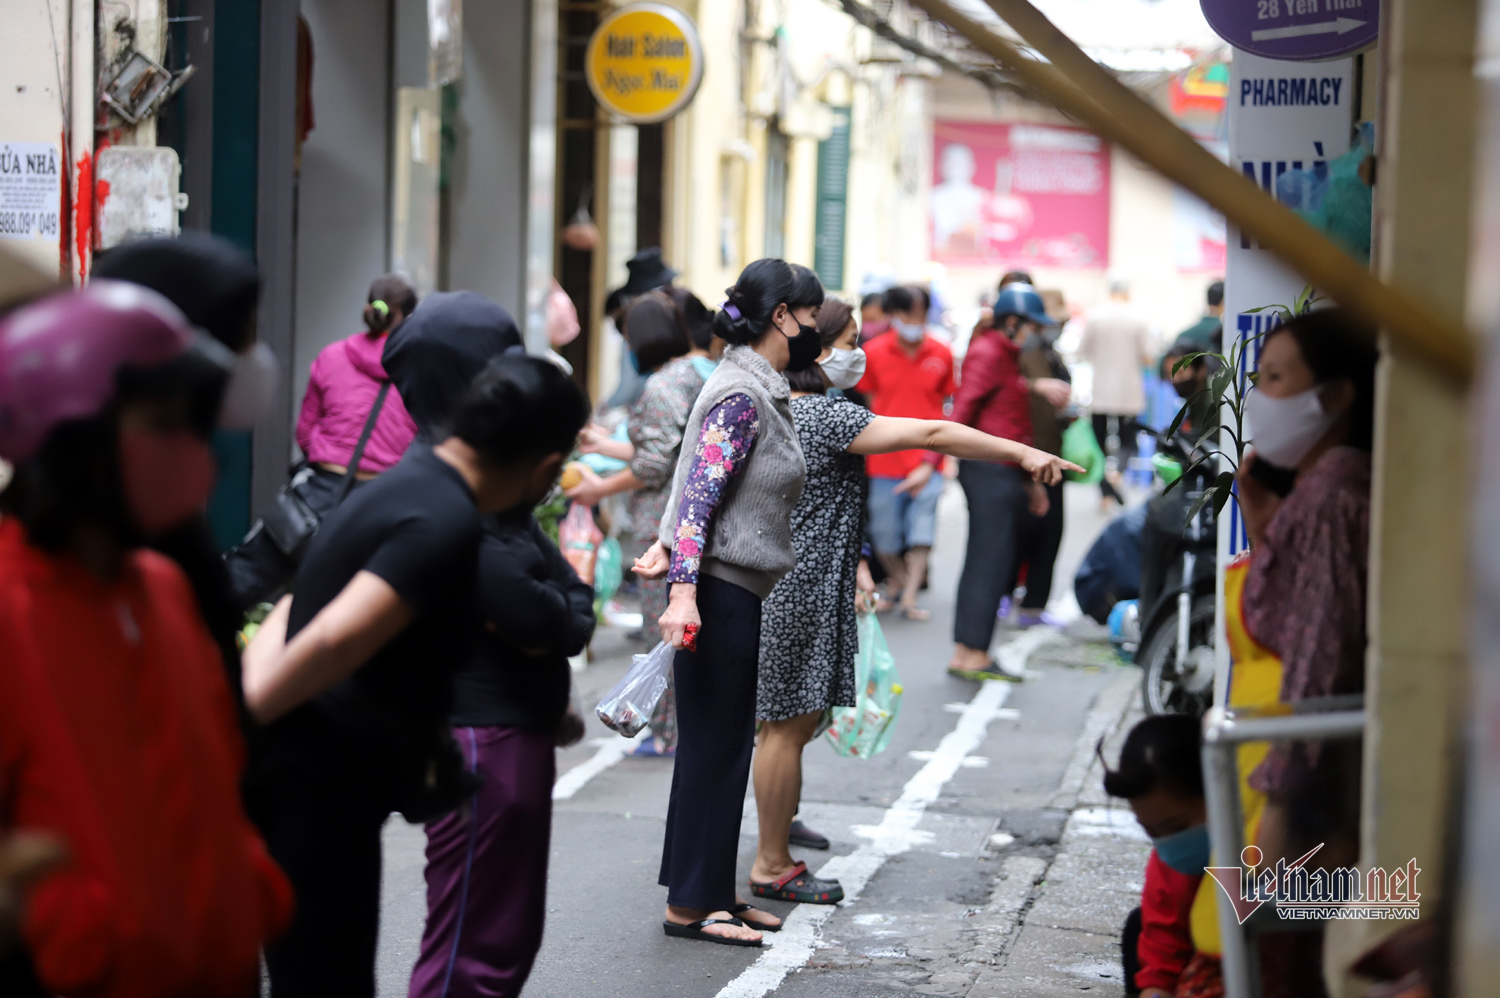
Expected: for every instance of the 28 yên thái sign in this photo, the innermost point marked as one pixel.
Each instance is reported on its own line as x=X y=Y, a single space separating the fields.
x=1295 y=30
x=644 y=62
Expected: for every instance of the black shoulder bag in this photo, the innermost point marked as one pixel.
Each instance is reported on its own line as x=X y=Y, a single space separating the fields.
x=292 y=521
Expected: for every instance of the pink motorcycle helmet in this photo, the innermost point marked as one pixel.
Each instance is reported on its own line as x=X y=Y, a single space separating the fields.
x=69 y=356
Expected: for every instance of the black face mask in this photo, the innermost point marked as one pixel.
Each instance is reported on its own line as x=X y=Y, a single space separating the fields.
x=1187 y=389
x=805 y=347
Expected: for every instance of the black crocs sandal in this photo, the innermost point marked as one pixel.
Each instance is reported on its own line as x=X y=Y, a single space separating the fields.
x=800 y=886
x=694 y=930
x=738 y=911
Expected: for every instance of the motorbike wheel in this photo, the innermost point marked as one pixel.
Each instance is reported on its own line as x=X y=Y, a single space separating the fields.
x=1167 y=687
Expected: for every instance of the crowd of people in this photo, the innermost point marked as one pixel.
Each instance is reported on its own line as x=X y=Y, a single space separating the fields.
x=208 y=803
x=195 y=793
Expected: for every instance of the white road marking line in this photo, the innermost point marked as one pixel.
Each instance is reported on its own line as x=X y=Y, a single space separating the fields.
x=611 y=750
x=896 y=833
x=970 y=762
x=1012 y=655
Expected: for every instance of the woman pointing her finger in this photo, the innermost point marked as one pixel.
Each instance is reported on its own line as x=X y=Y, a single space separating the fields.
x=726 y=540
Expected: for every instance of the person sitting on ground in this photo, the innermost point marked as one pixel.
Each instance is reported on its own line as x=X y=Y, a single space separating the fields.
x=1160 y=774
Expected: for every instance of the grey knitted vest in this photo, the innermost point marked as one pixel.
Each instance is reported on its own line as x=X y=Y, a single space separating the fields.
x=750 y=534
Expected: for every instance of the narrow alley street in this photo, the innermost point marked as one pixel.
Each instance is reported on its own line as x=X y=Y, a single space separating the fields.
x=978 y=851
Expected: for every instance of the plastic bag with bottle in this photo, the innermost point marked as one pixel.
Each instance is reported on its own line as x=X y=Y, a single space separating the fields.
x=627 y=709
x=865 y=729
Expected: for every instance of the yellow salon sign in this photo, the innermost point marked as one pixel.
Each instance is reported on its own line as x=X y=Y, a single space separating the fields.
x=644 y=62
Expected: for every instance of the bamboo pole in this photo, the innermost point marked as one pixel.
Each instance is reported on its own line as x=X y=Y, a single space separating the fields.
x=1084 y=90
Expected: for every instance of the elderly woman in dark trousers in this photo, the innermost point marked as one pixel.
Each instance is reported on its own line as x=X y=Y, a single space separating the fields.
x=724 y=549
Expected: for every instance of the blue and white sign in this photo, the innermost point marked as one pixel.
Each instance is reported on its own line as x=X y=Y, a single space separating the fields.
x=1287 y=120
x=1295 y=30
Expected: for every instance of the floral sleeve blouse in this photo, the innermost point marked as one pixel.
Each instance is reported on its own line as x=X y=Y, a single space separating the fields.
x=724 y=442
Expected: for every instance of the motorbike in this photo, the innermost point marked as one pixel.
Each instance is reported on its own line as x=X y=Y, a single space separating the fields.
x=1174 y=619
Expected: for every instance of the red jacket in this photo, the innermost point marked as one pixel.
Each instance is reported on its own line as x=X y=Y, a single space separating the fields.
x=1166 y=943
x=117 y=734
x=992 y=394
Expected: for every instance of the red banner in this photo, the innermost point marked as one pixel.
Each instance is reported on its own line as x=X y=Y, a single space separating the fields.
x=1018 y=195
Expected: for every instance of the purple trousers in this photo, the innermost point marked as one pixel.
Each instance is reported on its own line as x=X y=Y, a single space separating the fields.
x=487 y=871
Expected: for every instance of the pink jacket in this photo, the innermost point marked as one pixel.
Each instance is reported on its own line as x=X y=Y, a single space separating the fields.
x=341 y=388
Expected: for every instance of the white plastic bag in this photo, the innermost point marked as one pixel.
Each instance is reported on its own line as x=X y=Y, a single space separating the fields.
x=627 y=709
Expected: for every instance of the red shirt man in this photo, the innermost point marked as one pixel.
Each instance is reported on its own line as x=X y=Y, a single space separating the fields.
x=905 y=379
x=907 y=374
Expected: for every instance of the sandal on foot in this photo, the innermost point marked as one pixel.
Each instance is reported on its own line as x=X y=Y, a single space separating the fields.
x=800 y=886
x=914 y=612
x=738 y=911
x=694 y=930
x=991 y=670
x=801 y=835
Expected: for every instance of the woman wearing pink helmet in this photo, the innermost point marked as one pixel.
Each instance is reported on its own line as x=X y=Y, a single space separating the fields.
x=117 y=730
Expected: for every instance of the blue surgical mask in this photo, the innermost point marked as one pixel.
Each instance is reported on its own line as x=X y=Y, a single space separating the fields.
x=704 y=366
x=1185 y=851
x=635 y=362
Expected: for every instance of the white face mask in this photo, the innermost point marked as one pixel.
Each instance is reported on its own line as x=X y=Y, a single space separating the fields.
x=844 y=368
x=911 y=332
x=1285 y=429
x=251 y=389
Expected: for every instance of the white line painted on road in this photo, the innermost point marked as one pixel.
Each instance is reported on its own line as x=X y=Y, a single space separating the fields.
x=611 y=751
x=1012 y=655
x=896 y=833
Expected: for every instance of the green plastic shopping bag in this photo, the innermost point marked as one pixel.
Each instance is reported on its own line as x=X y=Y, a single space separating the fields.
x=1080 y=446
x=866 y=728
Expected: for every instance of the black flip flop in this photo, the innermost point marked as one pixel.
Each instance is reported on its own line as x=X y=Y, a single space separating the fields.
x=800 y=886
x=694 y=930
x=738 y=910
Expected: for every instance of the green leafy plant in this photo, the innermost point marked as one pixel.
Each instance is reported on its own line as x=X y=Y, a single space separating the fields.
x=1220 y=405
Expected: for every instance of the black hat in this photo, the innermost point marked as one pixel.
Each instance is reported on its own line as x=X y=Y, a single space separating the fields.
x=647 y=273
x=434 y=355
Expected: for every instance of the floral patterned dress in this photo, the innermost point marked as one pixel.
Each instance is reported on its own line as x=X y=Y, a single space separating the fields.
x=808 y=634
